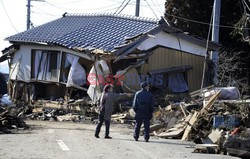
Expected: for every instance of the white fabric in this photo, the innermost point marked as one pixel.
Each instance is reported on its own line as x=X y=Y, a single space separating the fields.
x=43 y=67
x=95 y=78
x=43 y=72
x=77 y=74
x=38 y=55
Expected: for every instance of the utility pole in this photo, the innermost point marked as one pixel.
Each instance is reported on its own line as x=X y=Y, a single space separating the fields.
x=215 y=36
x=28 y=12
x=137 y=8
x=28 y=15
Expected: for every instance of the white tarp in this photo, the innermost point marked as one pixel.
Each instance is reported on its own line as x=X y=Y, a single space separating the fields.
x=177 y=83
x=5 y=100
x=227 y=93
x=77 y=74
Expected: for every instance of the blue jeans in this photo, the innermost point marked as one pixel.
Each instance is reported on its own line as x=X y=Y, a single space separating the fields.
x=138 y=124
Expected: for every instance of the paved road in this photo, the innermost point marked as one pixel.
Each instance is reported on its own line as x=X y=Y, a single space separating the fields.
x=65 y=140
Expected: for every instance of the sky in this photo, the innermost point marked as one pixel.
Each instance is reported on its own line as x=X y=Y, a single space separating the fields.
x=13 y=13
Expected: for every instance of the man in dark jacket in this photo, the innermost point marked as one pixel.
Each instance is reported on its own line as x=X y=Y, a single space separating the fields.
x=143 y=106
x=106 y=107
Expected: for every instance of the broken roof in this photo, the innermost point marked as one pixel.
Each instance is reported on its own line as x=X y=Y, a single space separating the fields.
x=99 y=31
x=106 y=32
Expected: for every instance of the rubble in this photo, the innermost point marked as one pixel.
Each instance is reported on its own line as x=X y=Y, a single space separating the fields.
x=11 y=118
x=122 y=118
x=216 y=124
x=213 y=119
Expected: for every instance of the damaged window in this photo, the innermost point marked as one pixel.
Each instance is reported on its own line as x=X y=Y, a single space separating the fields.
x=73 y=72
x=46 y=65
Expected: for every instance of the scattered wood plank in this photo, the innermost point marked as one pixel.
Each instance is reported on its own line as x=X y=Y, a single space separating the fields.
x=156 y=127
x=198 y=92
x=171 y=134
x=183 y=110
x=213 y=137
x=190 y=124
x=210 y=103
x=201 y=146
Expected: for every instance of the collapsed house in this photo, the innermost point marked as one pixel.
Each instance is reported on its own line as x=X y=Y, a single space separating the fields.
x=75 y=55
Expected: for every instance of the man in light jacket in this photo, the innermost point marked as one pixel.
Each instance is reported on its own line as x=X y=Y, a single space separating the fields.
x=143 y=105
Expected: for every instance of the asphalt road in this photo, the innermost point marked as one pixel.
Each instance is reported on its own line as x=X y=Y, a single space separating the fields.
x=66 y=140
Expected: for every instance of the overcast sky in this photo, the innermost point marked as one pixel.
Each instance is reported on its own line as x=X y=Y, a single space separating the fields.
x=13 y=13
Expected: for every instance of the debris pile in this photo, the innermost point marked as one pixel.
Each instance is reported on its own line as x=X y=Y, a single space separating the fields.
x=73 y=110
x=11 y=118
x=216 y=123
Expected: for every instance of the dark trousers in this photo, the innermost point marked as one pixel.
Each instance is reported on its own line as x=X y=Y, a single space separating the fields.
x=138 y=124
x=99 y=125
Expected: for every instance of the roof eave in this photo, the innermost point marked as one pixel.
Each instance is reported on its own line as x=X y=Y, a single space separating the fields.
x=8 y=51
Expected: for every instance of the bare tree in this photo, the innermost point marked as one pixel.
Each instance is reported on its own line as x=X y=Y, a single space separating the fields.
x=232 y=70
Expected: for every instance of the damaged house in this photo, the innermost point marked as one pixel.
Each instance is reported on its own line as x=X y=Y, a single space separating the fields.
x=72 y=57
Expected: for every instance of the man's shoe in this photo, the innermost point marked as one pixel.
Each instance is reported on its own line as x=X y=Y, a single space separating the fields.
x=97 y=136
x=108 y=137
x=146 y=140
x=136 y=139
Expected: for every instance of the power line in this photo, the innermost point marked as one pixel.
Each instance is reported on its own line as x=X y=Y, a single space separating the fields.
x=151 y=9
x=200 y=22
x=110 y=9
x=157 y=6
x=105 y=7
x=8 y=17
x=124 y=6
x=55 y=6
x=43 y=12
x=120 y=6
x=70 y=2
x=143 y=5
x=41 y=15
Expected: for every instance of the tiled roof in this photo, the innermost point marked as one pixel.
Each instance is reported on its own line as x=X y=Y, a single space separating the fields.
x=100 y=31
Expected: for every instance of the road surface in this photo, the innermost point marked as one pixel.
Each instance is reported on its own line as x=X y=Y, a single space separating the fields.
x=67 y=140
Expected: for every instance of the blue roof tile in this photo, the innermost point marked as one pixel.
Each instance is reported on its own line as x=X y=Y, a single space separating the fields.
x=96 y=31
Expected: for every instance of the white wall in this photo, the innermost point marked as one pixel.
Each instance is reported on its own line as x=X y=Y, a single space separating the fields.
x=171 y=41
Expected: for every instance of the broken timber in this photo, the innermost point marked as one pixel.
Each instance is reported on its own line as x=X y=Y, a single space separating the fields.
x=196 y=115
